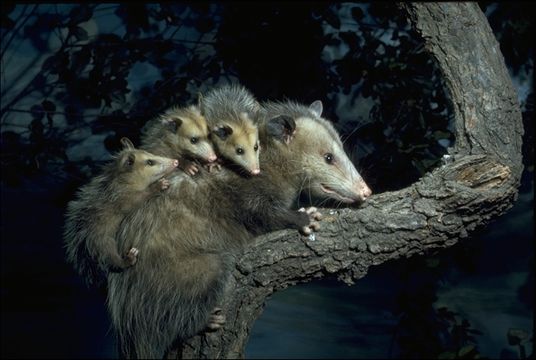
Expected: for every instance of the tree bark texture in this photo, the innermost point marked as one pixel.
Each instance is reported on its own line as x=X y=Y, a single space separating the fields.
x=476 y=183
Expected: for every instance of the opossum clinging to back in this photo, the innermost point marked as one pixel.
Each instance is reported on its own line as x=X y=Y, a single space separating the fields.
x=190 y=234
x=93 y=217
x=187 y=247
x=180 y=133
x=231 y=112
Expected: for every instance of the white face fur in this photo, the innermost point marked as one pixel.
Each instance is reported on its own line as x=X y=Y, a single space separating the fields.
x=329 y=173
x=140 y=168
x=239 y=144
x=190 y=136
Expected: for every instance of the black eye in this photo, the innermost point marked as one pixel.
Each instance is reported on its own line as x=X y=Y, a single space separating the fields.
x=256 y=147
x=150 y=162
x=329 y=158
x=239 y=151
x=194 y=140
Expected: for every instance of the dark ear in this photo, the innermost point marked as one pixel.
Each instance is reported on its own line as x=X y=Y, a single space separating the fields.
x=316 y=108
x=126 y=143
x=222 y=131
x=281 y=127
x=200 y=103
x=172 y=124
x=128 y=160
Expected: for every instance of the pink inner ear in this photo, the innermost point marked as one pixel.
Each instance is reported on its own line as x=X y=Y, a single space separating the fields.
x=130 y=160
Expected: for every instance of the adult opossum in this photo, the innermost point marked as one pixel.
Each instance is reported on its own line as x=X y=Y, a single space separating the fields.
x=94 y=216
x=180 y=132
x=231 y=112
x=189 y=235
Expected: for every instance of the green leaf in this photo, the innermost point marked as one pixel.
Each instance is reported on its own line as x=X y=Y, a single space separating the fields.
x=357 y=13
x=80 y=33
x=432 y=262
x=466 y=350
x=447 y=355
x=80 y=14
x=438 y=134
x=37 y=112
x=49 y=63
x=332 y=18
x=48 y=106
x=118 y=97
x=516 y=336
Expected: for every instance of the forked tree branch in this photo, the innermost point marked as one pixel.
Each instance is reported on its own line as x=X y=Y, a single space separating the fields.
x=477 y=183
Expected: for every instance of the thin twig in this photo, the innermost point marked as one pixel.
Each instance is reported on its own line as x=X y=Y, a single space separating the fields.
x=16 y=31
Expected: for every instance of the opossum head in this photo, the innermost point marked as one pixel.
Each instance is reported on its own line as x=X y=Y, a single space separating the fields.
x=139 y=168
x=314 y=152
x=231 y=111
x=188 y=133
x=238 y=142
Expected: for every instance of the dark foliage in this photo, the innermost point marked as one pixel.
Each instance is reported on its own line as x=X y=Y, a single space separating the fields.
x=424 y=331
x=396 y=120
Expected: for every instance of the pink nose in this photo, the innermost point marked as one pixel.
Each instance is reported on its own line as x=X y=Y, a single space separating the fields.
x=366 y=192
x=255 y=171
x=175 y=163
x=212 y=158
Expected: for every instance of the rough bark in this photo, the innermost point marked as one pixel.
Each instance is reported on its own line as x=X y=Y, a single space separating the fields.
x=477 y=183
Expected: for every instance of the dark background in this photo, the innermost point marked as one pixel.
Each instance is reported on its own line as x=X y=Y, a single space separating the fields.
x=76 y=78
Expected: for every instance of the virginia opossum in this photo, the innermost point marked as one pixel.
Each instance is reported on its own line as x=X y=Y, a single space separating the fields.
x=187 y=246
x=231 y=112
x=180 y=133
x=94 y=216
x=190 y=234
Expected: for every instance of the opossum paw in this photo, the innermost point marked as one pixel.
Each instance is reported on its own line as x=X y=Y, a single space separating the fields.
x=211 y=166
x=132 y=256
x=216 y=320
x=191 y=169
x=164 y=184
x=313 y=213
x=312 y=227
x=314 y=216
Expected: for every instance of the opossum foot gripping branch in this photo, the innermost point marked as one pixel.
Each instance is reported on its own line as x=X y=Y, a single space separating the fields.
x=478 y=184
x=434 y=213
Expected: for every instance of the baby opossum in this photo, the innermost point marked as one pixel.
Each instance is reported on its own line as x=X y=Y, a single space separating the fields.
x=187 y=256
x=190 y=234
x=231 y=112
x=180 y=133
x=93 y=217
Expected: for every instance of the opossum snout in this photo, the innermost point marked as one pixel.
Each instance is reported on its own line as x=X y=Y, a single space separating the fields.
x=212 y=157
x=255 y=171
x=363 y=190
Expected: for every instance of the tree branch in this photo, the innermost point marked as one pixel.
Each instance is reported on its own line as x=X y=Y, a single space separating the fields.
x=434 y=213
x=478 y=182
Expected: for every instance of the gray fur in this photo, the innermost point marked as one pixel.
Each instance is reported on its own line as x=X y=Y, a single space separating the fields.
x=226 y=103
x=170 y=133
x=232 y=114
x=190 y=235
x=187 y=246
x=297 y=110
x=94 y=216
